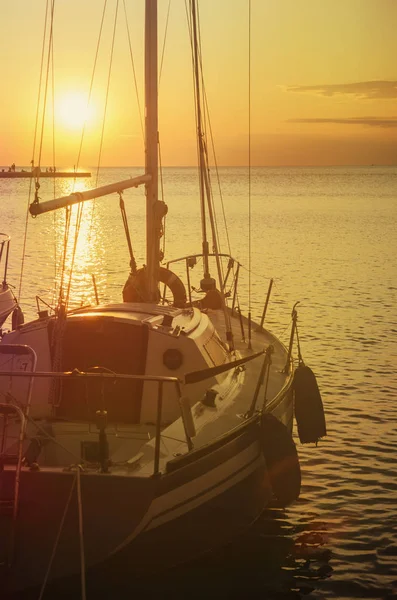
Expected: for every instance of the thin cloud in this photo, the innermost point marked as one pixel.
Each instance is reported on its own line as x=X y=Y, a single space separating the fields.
x=366 y=121
x=368 y=90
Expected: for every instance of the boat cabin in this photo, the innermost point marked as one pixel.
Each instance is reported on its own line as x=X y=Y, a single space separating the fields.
x=131 y=339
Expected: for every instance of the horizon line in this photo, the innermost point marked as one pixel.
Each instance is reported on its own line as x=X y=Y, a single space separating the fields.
x=213 y=167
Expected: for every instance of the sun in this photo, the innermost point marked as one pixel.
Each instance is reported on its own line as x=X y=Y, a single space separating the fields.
x=72 y=110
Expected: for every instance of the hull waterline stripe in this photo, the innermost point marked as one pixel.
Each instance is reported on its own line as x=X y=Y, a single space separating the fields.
x=198 y=498
x=208 y=492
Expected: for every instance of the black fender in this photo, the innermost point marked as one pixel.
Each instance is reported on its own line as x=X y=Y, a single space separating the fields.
x=309 y=411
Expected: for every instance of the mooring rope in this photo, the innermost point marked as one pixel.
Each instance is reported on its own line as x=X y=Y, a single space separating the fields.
x=54 y=549
x=81 y=534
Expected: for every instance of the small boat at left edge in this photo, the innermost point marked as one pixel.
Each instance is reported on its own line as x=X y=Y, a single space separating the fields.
x=8 y=303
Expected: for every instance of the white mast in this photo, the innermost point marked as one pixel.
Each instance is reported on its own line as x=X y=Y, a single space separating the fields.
x=153 y=224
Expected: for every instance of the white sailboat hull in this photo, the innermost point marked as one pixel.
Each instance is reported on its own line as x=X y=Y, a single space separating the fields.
x=136 y=436
x=135 y=525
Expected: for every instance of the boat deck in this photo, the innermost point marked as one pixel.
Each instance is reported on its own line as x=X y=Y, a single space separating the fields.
x=233 y=405
x=232 y=399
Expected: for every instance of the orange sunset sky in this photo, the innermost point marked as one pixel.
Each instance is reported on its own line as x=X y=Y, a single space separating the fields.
x=323 y=82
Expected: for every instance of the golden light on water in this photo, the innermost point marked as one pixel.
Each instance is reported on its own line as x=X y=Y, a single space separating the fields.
x=82 y=256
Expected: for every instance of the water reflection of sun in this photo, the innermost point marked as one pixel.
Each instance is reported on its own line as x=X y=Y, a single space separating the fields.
x=80 y=255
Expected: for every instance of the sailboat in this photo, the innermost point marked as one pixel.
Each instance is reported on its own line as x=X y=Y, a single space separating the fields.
x=137 y=435
x=7 y=300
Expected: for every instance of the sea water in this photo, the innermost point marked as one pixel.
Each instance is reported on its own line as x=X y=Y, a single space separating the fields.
x=328 y=239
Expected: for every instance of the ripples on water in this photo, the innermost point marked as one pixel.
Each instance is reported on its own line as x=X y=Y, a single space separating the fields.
x=328 y=237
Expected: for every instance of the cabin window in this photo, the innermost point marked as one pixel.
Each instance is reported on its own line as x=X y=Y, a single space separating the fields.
x=173 y=359
x=111 y=345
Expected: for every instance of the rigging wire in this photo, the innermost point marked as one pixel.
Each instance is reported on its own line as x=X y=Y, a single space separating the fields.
x=162 y=195
x=211 y=136
x=165 y=37
x=33 y=150
x=53 y=109
x=133 y=70
x=206 y=120
x=107 y=91
x=68 y=212
x=158 y=135
x=249 y=172
x=85 y=120
x=91 y=86
x=53 y=163
x=205 y=182
x=202 y=204
x=80 y=208
x=79 y=216
x=204 y=123
x=46 y=88
x=127 y=234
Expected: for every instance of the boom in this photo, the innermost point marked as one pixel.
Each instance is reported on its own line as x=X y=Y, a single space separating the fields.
x=38 y=208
